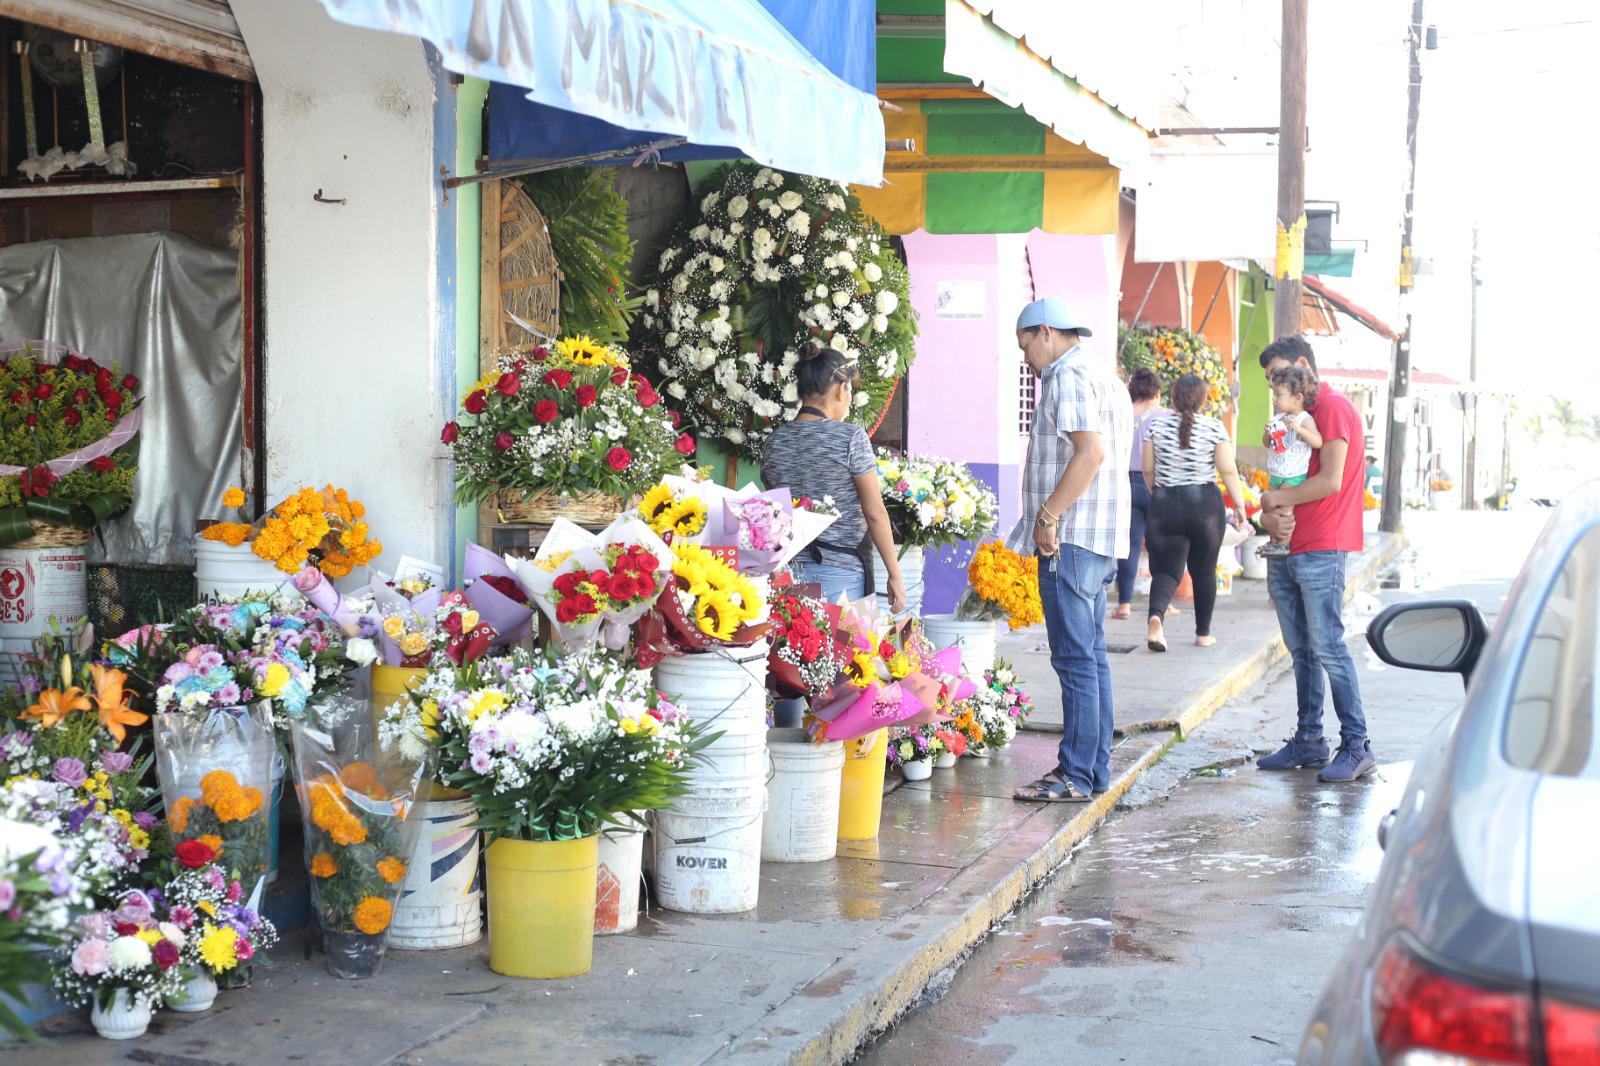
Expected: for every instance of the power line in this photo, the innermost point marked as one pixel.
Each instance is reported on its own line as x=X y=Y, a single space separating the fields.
x=1519 y=29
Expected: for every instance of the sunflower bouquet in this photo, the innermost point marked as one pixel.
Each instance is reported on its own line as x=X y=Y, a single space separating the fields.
x=1001 y=584
x=325 y=529
x=360 y=794
x=673 y=510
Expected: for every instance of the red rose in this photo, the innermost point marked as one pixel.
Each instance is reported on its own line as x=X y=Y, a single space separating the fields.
x=508 y=384
x=102 y=380
x=103 y=464
x=566 y=612
x=165 y=954
x=559 y=378
x=80 y=395
x=451 y=432
x=647 y=585
x=43 y=391
x=645 y=562
x=506 y=587
x=623 y=586
x=72 y=416
x=647 y=396
x=584 y=603
x=677 y=419
x=587 y=394
x=546 y=411
x=540 y=354
x=684 y=444
x=886 y=651
x=619 y=459
x=194 y=854
x=19 y=397
x=475 y=403
x=73 y=363
x=32 y=420
x=568 y=583
x=112 y=400
x=619 y=376
x=503 y=441
x=125 y=928
x=130 y=383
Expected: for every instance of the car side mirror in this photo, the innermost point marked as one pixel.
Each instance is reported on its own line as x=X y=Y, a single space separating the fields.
x=1440 y=636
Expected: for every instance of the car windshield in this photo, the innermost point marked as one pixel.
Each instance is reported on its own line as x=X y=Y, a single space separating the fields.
x=1551 y=724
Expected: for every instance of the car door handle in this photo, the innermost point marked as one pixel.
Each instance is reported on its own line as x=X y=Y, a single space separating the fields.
x=1385 y=827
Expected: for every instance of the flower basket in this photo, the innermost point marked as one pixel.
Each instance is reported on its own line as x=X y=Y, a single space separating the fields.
x=596 y=509
x=51 y=535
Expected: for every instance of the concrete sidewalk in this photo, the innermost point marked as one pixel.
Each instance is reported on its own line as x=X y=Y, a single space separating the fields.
x=835 y=952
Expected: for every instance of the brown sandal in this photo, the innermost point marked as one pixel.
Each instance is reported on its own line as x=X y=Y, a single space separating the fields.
x=1051 y=788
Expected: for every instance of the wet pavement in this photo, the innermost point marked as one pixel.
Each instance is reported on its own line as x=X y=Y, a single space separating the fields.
x=1198 y=923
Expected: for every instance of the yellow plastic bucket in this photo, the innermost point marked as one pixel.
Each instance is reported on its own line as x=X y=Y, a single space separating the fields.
x=541 y=906
x=861 y=788
x=390 y=685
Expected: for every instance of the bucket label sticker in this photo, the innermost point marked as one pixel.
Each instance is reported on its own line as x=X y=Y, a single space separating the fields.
x=15 y=583
x=701 y=862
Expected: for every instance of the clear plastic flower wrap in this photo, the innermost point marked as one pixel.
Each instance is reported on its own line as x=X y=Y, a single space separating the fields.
x=359 y=794
x=216 y=774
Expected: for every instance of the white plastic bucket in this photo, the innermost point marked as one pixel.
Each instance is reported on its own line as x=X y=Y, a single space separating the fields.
x=36 y=585
x=975 y=639
x=708 y=850
x=438 y=905
x=911 y=572
x=616 y=898
x=1255 y=567
x=917 y=769
x=802 y=819
x=726 y=694
x=227 y=572
x=945 y=761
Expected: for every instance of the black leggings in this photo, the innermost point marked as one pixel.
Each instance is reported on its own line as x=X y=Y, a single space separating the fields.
x=1185 y=529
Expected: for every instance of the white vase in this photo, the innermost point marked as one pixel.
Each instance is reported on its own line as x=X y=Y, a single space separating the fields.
x=1255 y=567
x=197 y=995
x=230 y=571
x=945 y=761
x=917 y=769
x=975 y=639
x=125 y=1019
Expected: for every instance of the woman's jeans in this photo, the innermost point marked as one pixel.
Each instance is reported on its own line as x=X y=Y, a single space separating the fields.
x=1128 y=569
x=1072 y=590
x=1308 y=591
x=852 y=582
x=1186 y=526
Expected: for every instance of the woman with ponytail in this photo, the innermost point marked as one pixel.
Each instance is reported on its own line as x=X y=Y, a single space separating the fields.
x=1184 y=453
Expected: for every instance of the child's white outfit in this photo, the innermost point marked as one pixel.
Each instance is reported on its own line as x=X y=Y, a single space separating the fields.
x=1288 y=455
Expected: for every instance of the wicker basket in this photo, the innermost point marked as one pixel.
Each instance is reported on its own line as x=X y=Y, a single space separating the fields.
x=50 y=535
x=585 y=508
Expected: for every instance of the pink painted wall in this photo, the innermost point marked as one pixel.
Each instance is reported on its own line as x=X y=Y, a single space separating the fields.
x=954 y=388
x=1082 y=271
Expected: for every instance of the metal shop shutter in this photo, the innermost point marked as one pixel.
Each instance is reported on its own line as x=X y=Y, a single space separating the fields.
x=196 y=33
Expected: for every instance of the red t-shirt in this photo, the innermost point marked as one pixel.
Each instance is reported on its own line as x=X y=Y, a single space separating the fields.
x=1333 y=523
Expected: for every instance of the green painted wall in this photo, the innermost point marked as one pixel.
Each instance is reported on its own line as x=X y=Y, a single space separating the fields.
x=471 y=97
x=1255 y=333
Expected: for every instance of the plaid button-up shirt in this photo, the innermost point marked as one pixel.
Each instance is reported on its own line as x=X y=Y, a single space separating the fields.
x=1078 y=397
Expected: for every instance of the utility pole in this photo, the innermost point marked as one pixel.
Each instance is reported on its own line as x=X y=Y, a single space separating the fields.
x=1394 y=456
x=1291 y=173
x=1469 y=478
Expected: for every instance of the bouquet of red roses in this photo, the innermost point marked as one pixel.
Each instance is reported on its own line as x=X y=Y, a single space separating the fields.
x=808 y=651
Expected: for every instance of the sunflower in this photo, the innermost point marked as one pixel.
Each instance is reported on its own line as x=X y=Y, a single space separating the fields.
x=747 y=598
x=656 y=505
x=861 y=670
x=716 y=615
x=688 y=518
x=584 y=350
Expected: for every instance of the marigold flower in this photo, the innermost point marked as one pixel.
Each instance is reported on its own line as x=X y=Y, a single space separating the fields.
x=391 y=869
x=233 y=497
x=322 y=865
x=372 y=915
x=178 y=816
x=216 y=784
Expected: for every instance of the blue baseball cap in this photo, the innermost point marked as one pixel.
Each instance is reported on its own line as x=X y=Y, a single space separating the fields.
x=1053 y=313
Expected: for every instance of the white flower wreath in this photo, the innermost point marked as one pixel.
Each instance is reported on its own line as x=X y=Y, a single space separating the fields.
x=770 y=264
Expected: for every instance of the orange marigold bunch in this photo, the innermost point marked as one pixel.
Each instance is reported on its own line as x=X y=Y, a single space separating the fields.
x=373 y=914
x=329 y=814
x=1009 y=582
x=325 y=529
x=230 y=801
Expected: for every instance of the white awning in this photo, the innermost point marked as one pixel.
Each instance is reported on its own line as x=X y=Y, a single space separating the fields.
x=1206 y=205
x=196 y=33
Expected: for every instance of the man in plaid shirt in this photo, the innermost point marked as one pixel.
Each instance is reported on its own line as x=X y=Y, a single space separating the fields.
x=1076 y=507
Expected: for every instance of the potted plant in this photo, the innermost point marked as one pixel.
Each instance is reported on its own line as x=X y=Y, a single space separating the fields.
x=125 y=963
x=570 y=430
x=67 y=463
x=551 y=751
x=915 y=749
x=932 y=502
x=220 y=932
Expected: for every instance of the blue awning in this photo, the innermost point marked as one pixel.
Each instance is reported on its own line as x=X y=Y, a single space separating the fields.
x=729 y=77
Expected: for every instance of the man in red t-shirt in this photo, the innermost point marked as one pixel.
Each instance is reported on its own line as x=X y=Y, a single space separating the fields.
x=1307 y=587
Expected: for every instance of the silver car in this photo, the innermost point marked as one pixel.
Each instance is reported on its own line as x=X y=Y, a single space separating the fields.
x=1480 y=942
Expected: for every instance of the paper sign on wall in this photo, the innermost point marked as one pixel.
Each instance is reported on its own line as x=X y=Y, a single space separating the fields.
x=960 y=299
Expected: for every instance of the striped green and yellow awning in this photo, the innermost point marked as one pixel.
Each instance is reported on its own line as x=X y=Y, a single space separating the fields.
x=982 y=167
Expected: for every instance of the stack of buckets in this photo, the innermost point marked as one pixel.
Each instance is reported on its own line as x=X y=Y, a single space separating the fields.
x=708 y=844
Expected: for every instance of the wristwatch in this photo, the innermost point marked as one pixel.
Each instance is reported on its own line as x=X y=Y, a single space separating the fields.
x=1044 y=523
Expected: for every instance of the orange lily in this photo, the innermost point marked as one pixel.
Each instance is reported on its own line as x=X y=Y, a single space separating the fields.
x=112 y=702
x=55 y=705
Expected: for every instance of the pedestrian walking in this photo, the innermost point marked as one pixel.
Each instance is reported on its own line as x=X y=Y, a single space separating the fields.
x=1184 y=454
x=1144 y=392
x=1076 y=507
x=1308 y=586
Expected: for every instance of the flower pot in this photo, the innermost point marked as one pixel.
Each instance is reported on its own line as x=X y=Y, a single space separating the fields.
x=802 y=798
x=917 y=769
x=197 y=995
x=912 y=564
x=975 y=639
x=354 y=956
x=1255 y=567
x=541 y=906
x=124 y=1018
x=616 y=899
x=861 y=786
x=42 y=582
x=227 y=571
x=945 y=760
x=438 y=906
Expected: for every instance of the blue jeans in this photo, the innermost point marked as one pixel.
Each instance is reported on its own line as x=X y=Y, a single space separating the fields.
x=834 y=579
x=1072 y=590
x=1308 y=591
x=1128 y=569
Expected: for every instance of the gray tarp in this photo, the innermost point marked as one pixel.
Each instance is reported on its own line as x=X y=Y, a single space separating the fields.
x=167 y=309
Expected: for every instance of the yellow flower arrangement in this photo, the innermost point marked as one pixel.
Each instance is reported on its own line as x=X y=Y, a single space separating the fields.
x=324 y=529
x=1003 y=584
x=666 y=511
x=723 y=598
x=584 y=350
